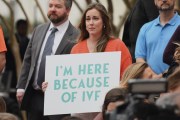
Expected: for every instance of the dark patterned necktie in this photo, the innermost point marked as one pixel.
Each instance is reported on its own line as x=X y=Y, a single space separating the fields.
x=47 y=51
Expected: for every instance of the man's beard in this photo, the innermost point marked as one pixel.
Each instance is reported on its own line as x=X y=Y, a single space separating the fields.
x=170 y=7
x=58 y=19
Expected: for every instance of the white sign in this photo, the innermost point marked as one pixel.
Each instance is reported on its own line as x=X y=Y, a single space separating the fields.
x=78 y=83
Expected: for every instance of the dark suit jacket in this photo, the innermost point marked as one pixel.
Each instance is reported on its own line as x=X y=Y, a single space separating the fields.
x=32 y=53
x=143 y=12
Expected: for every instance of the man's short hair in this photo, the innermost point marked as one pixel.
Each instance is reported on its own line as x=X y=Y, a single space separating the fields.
x=21 y=22
x=68 y=4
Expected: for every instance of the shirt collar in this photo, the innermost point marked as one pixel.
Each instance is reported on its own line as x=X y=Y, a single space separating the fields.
x=171 y=22
x=61 y=27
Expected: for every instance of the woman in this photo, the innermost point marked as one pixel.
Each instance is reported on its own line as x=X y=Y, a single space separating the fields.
x=173 y=73
x=139 y=70
x=96 y=35
x=174 y=80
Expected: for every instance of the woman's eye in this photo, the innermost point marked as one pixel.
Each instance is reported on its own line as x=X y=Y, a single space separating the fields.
x=87 y=18
x=95 y=18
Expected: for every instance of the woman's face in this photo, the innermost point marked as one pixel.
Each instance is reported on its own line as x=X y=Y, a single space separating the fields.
x=94 y=22
x=112 y=105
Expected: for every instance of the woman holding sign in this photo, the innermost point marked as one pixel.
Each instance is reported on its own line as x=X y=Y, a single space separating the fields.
x=96 y=37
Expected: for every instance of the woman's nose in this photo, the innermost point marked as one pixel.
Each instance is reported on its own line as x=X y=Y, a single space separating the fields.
x=91 y=21
x=164 y=0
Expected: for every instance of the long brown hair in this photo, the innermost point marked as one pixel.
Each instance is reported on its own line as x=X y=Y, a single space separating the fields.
x=174 y=79
x=173 y=74
x=177 y=53
x=113 y=95
x=134 y=71
x=106 y=32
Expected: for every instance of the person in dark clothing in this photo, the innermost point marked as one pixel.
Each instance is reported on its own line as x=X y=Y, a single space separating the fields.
x=171 y=46
x=143 y=11
x=21 y=36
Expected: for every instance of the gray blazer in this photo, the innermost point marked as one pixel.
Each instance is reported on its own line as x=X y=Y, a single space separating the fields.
x=26 y=77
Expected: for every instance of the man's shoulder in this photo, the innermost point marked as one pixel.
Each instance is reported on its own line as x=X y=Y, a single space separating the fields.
x=40 y=26
x=73 y=28
x=178 y=19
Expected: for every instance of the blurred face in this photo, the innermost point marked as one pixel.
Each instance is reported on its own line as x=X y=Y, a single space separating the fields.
x=94 y=22
x=148 y=73
x=22 y=29
x=57 y=12
x=112 y=105
x=165 y=5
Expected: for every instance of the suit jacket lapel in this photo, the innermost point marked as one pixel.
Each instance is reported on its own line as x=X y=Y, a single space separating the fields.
x=40 y=39
x=65 y=40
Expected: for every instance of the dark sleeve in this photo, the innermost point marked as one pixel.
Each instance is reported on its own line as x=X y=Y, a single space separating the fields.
x=151 y=10
x=134 y=22
x=170 y=48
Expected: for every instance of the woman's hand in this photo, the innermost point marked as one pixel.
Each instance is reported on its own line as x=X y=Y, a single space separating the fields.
x=44 y=86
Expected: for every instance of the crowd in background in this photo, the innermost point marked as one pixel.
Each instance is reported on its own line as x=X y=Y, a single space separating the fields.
x=150 y=49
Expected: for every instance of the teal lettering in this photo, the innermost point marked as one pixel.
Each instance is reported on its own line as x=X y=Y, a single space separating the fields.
x=90 y=83
x=66 y=97
x=72 y=81
x=57 y=84
x=83 y=96
x=90 y=68
x=98 y=69
x=67 y=71
x=99 y=83
x=106 y=70
x=97 y=94
x=73 y=96
x=64 y=84
x=81 y=84
x=106 y=84
x=82 y=69
x=89 y=94
x=57 y=70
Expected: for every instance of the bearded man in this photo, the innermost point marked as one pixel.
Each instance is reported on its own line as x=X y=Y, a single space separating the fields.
x=53 y=38
x=154 y=36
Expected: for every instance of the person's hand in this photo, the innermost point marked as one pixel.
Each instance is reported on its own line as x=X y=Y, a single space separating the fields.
x=44 y=86
x=19 y=96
